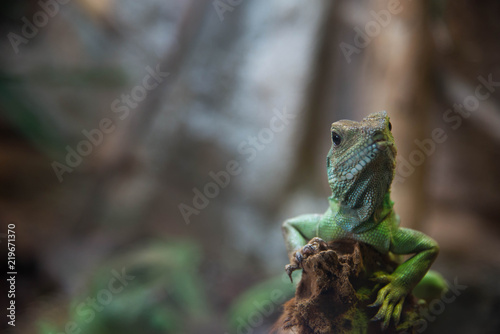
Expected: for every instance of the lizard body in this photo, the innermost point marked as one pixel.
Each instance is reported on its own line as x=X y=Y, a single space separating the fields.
x=360 y=167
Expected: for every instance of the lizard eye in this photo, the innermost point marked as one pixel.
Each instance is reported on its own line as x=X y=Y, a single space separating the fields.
x=336 y=139
x=390 y=126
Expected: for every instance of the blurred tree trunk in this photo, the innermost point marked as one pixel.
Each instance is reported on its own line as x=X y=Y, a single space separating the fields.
x=399 y=82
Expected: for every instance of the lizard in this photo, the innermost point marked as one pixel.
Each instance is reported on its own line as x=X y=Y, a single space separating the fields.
x=360 y=167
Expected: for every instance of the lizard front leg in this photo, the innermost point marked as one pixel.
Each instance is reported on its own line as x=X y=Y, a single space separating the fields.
x=407 y=275
x=297 y=231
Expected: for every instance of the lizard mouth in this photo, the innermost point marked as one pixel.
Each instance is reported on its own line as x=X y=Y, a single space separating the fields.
x=383 y=144
x=387 y=146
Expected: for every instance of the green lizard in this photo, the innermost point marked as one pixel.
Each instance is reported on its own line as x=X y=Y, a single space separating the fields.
x=360 y=166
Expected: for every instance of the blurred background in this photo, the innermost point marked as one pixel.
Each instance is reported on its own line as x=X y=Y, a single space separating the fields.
x=149 y=152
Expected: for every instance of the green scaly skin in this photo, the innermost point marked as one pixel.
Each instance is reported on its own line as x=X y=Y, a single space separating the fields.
x=361 y=166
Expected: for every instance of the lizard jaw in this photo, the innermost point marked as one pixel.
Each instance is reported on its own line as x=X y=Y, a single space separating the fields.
x=358 y=163
x=384 y=145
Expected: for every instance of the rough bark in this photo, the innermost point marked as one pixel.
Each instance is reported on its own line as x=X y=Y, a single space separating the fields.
x=336 y=288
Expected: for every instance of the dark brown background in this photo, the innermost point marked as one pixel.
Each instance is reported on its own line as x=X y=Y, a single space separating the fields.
x=227 y=78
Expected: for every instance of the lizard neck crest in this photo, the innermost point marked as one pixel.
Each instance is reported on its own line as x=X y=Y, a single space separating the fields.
x=360 y=166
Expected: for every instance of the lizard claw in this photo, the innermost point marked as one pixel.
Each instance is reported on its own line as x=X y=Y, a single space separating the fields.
x=390 y=299
x=299 y=257
x=290 y=268
x=314 y=246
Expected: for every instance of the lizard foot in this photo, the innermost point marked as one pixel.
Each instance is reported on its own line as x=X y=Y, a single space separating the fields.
x=390 y=299
x=314 y=246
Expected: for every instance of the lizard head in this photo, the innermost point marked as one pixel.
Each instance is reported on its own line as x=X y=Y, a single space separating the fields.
x=362 y=158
